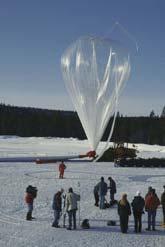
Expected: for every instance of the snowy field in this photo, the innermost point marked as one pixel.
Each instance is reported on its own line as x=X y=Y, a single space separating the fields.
x=15 y=231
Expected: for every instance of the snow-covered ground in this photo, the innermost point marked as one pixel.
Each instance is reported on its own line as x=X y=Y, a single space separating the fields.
x=15 y=231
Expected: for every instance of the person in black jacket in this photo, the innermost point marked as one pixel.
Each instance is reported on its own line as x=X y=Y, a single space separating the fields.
x=56 y=206
x=96 y=195
x=102 y=192
x=137 y=207
x=112 y=188
x=124 y=211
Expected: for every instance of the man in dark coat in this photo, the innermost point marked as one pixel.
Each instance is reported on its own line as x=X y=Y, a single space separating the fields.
x=112 y=187
x=163 y=205
x=96 y=195
x=56 y=206
x=102 y=192
x=137 y=207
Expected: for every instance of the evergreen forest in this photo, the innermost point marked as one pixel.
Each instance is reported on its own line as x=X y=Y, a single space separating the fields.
x=27 y=121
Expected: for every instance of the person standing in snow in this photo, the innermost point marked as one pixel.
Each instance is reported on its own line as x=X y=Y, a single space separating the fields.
x=64 y=212
x=151 y=204
x=56 y=206
x=102 y=192
x=163 y=204
x=149 y=191
x=137 y=207
x=62 y=168
x=31 y=194
x=71 y=207
x=124 y=211
x=112 y=188
x=96 y=195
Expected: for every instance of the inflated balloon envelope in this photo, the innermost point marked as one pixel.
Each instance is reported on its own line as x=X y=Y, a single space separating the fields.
x=94 y=71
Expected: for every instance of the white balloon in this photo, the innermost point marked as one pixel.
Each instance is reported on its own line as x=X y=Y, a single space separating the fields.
x=94 y=70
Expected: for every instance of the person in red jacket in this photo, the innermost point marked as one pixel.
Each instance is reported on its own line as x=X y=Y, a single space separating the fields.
x=62 y=168
x=31 y=194
x=151 y=204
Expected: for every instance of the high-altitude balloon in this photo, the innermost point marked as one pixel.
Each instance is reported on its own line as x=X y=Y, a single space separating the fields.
x=94 y=70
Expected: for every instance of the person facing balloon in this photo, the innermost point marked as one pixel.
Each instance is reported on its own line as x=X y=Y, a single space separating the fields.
x=102 y=189
x=124 y=211
x=112 y=188
x=137 y=207
x=151 y=204
x=96 y=194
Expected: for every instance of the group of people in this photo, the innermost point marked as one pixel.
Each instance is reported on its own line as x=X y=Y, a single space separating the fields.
x=63 y=204
x=139 y=204
x=100 y=191
x=67 y=204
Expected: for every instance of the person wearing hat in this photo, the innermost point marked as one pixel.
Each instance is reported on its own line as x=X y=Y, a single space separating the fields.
x=138 y=207
x=163 y=205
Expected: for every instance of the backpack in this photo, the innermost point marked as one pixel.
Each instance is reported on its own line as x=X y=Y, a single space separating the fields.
x=111 y=223
x=85 y=224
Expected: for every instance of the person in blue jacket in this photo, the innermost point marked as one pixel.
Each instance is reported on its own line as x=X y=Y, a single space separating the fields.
x=102 y=192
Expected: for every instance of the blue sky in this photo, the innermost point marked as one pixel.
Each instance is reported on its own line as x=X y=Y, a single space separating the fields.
x=35 y=33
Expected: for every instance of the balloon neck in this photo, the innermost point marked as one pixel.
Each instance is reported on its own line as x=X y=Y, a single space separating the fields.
x=91 y=154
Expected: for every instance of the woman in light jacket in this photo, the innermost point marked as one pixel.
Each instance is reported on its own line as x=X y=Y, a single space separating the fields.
x=71 y=207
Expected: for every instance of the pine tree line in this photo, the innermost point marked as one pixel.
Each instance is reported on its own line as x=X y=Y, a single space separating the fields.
x=24 y=121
